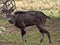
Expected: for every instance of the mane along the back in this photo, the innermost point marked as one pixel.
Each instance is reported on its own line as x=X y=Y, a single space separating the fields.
x=20 y=12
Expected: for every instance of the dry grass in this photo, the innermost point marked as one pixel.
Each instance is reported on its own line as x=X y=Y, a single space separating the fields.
x=38 y=5
x=46 y=6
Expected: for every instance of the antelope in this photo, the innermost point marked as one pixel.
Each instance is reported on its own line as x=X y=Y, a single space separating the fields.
x=23 y=19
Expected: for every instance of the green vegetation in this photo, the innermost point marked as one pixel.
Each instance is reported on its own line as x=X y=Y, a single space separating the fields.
x=3 y=21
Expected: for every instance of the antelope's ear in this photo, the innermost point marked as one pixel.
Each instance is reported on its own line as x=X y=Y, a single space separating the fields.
x=1 y=11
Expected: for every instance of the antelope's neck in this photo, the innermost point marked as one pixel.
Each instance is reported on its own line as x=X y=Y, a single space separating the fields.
x=8 y=18
x=11 y=19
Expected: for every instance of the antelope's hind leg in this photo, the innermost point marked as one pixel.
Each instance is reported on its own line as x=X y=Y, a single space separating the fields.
x=42 y=37
x=42 y=30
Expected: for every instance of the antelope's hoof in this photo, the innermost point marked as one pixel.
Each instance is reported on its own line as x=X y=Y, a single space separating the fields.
x=26 y=41
x=50 y=42
x=40 y=40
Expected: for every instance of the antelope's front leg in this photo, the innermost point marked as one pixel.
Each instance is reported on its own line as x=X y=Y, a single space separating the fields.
x=23 y=33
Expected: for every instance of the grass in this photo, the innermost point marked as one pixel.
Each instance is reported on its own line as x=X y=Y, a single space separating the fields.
x=3 y=21
x=33 y=39
x=52 y=15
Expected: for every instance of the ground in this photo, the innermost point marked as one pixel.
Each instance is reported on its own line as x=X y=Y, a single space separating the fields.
x=12 y=34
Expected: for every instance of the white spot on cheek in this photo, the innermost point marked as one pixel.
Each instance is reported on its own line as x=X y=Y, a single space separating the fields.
x=13 y=24
x=8 y=19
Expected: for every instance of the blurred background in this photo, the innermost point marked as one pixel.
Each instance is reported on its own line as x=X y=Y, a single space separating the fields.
x=47 y=6
x=11 y=35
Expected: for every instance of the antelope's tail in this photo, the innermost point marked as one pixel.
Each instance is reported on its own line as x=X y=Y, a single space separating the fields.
x=53 y=21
